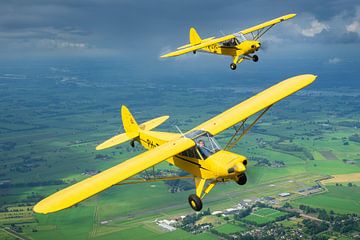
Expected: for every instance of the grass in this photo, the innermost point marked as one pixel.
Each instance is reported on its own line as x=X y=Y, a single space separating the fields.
x=49 y=125
x=263 y=216
x=341 y=199
x=230 y=228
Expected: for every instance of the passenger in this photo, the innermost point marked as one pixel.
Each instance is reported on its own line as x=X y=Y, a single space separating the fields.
x=205 y=152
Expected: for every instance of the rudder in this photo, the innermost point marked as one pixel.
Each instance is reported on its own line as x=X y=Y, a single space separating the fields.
x=129 y=123
x=194 y=37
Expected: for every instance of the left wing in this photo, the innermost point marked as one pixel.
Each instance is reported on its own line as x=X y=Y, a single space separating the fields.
x=97 y=183
x=255 y=104
x=201 y=45
x=267 y=24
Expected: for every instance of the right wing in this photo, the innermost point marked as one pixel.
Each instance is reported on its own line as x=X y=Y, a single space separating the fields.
x=267 y=24
x=97 y=183
x=191 y=48
x=255 y=104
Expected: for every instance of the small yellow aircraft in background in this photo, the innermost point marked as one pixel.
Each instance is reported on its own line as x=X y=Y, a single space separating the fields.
x=235 y=45
x=195 y=151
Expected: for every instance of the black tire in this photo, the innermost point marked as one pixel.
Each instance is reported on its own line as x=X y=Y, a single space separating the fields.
x=241 y=179
x=195 y=202
x=132 y=143
x=233 y=66
x=194 y=52
x=255 y=58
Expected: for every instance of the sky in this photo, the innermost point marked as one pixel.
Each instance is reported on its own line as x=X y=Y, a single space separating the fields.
x=138 y=32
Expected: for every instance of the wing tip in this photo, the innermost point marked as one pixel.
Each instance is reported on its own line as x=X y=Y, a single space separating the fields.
x=305 y=78
x=40 y=208
x=98 y=147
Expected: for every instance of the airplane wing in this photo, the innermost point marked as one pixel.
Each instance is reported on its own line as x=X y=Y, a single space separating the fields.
x=255 y=104
x=267 y=24
x=97 y=183
x=187 y=48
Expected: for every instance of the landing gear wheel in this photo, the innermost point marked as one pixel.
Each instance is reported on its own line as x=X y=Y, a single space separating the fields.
x=194 y=52
x=233 y=66
x=241 y=179
x=195 y=202
x=132 y=143
x=255 y=58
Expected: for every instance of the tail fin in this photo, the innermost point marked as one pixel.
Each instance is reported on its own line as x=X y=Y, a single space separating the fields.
x=131 y=128
x=129 y=123
x=194 y=37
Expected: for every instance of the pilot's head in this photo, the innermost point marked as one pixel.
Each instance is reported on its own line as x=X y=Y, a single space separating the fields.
x=201 y=143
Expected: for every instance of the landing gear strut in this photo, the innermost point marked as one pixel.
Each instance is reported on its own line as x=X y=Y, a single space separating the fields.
x=233 y=66
x=241 y=179
x=195 y=202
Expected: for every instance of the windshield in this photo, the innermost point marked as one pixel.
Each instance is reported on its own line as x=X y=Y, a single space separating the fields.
x=240 y=37
x=205 y=142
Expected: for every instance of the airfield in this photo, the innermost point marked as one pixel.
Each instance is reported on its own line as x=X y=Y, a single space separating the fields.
x=49 y=134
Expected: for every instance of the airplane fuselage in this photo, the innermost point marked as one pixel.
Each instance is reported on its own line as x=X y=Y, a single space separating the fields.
x=222 y=165
x=244 y=48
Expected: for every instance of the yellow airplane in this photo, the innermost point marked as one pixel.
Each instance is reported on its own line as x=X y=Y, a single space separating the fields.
x=235 y=45
x=195 y=151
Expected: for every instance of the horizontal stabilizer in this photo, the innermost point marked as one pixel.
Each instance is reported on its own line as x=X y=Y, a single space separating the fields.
x=153 y=123
x=189 y=45
x=116 y=140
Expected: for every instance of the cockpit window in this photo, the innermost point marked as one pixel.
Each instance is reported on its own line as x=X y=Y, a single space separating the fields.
x=239 y=37
x=205 y=143
x=231 y=43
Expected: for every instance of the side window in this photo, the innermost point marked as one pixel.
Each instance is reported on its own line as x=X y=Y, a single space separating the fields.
x=192 y=153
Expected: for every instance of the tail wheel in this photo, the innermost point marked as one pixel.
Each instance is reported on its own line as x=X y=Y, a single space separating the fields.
x=233 y=66
x=255 y=58
x=194 y=52
x=241 y=179
x=195 y=202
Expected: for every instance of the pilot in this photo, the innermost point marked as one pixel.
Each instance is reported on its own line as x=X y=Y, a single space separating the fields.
x=205 y=152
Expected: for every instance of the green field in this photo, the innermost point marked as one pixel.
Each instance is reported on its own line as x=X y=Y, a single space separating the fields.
x=263 y=216
x=342 y=199
x=230 y=228
x=49 y=133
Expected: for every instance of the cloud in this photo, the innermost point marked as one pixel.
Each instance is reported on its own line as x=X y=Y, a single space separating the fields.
x=315 y=28
x=354 y=26
x=334 y=60
x=57 y=43
x=123 y=26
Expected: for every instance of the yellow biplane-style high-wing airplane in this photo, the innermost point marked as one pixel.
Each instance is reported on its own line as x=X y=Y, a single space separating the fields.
x=235 y=45
x=195 y=151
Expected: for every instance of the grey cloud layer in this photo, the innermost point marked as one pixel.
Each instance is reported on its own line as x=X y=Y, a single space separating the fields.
x=121 y=26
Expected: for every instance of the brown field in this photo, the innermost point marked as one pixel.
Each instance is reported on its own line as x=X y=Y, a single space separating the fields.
x=329 y=155
x=341 y=178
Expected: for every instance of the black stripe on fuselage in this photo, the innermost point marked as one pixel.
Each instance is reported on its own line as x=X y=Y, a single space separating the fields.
x=199 y=165
x=191 y=162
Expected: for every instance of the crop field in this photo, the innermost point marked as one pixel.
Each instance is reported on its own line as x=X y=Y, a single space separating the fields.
x=230 y=228
x=49 y=135
x=342 y=199
x=264 y=215
x=343 y=178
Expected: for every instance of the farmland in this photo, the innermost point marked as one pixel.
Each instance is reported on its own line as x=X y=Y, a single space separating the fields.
x=49 y=134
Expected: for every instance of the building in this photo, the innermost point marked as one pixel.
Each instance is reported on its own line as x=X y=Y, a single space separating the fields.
x=284 y=194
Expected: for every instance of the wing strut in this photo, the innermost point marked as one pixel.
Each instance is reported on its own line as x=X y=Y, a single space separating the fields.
x=242 y=130
x=261 y=32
